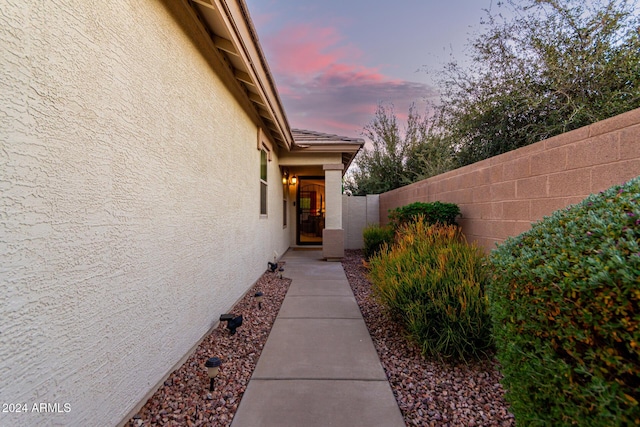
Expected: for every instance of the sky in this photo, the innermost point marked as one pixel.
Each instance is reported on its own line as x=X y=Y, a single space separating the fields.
x=333 y=61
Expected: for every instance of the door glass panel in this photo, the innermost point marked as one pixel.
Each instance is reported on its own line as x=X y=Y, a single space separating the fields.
x=311 y=208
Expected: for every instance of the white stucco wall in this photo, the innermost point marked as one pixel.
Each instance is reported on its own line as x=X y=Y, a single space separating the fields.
x=129 y=204
x=333 y=196
x=357 y=213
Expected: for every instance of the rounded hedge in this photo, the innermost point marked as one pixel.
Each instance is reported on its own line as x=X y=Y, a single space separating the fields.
x=565 y=300
x=432 y=212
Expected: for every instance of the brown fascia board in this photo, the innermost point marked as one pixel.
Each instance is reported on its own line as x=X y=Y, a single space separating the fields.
x=231 y=27
x=348 y=150
x=313 y=141
x=347 y=161
x=330 y=147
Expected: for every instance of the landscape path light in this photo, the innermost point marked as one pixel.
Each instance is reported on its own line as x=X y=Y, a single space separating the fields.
x=259 y=296
x=213 y=365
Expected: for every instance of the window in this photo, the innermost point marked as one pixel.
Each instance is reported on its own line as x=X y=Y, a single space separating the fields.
x=263 y=182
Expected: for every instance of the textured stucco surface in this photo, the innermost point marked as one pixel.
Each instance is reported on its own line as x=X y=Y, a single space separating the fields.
x=333 y=196
x=129 y=204
x=357 y=213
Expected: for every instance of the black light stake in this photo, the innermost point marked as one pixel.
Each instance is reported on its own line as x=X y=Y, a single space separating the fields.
x=259 y=296
x=213 y=365
x=233 y=322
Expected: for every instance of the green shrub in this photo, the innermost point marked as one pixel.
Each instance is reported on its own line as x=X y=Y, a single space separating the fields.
x=375 y=237
x=565 y=303
x=433 y=282
x=433 y=213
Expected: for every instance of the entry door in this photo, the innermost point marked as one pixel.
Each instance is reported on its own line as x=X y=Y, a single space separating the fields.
x=311 y=208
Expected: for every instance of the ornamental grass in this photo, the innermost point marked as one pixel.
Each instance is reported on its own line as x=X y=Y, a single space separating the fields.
x=433 y=282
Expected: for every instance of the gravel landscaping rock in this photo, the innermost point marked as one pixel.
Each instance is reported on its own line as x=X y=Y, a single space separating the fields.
x=184 y=398
x=429 y=393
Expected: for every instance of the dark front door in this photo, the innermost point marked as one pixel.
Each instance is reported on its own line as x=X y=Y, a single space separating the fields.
x=310 y=212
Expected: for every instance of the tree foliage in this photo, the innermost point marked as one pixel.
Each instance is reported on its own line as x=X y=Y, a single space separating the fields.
x=382 y=167
x=398 y=158
x=541 y=68
x=555 y=66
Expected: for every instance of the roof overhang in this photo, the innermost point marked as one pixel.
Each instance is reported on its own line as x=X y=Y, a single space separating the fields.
x=316 y=142
x=235 y=41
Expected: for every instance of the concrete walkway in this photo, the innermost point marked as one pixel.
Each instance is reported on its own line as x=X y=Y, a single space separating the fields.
x=319 y=367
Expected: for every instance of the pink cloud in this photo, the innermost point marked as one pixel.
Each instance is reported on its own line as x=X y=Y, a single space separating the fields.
x=322 y=85
x=305 y=51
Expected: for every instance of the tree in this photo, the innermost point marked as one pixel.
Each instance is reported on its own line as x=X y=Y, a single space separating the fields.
x=557 y=65
x=396 y=159
x=430 y=153
x=381 y=168
x=550 y=67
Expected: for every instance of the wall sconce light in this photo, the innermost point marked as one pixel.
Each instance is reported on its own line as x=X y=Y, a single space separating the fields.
x=286 y=180
x=213 y=365
x=259 y=296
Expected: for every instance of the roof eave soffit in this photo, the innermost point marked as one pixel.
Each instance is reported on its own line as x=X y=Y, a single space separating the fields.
x=232 y=34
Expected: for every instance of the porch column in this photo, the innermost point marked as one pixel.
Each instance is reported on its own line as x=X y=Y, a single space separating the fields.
x=333 y=234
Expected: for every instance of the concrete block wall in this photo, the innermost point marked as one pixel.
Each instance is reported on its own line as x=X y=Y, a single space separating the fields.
x=501 y=196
